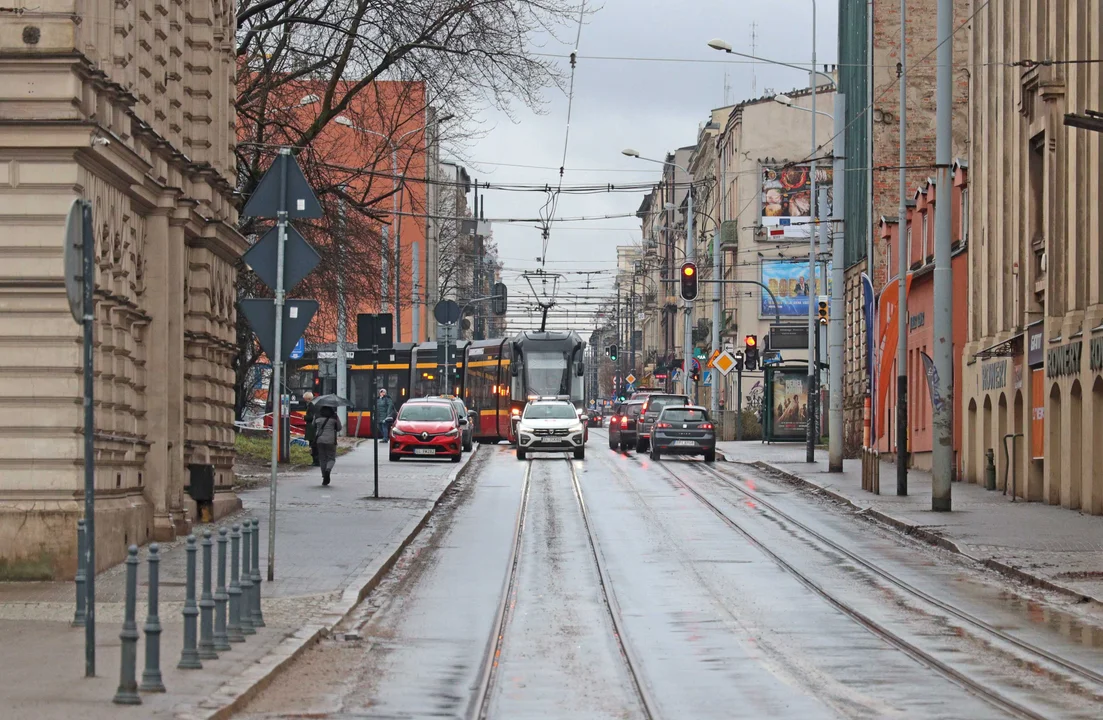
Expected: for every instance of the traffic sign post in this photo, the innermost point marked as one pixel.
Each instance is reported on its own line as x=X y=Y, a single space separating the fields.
x=374 y=332
x=282 y=193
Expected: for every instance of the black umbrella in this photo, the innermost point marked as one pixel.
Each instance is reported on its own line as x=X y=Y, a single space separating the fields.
x=332 y=401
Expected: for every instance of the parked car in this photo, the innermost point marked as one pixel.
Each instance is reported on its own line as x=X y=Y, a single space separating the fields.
x=622 y=425
x=653 y=405
x=551 y=425
x=467 y=430
x=683 y=430
x=427 y=427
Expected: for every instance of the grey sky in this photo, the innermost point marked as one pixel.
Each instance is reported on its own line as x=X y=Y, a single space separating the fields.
x=650 y=106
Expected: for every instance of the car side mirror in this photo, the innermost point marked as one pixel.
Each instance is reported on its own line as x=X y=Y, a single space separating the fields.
x=463 y=421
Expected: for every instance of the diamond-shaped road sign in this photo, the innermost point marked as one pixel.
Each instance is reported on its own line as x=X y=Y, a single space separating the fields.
x=630 y=378
x=724 y=362
x=299 y=259
x=261 y=314
x=265 y=200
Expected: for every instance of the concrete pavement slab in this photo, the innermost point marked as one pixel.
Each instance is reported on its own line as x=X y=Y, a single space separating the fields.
x=333 y=544
x=1044 y=545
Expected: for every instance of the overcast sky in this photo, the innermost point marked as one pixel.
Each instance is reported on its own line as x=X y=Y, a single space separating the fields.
x=653 y=107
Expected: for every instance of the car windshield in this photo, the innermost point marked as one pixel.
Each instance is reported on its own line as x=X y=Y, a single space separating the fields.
x=425 y=412
x=657 y=402
x=551 y=411
x=679 y=415
x=547 y=373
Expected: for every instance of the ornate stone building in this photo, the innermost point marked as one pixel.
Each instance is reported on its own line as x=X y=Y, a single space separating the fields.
x=129 y=105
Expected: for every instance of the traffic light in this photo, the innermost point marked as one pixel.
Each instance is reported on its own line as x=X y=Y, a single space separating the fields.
x=695 y=373
x=689 y=281
x=739 y=360
x=823 y=310
x=751 y=358
x=613 y=352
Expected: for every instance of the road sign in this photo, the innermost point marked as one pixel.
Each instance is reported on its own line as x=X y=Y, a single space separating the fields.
x=630 y=378
x=261 y=314
x=724 y=363
x=712 y=359
x=706 y=378
x=499 y=303
x=788 y=337
x=374 y=331
x=447 y=312
x=265 y=200
x=696 y=364
x=74 y=241
x=699 y=353
x=299 y=259
x=630 y=388
x=298 y=350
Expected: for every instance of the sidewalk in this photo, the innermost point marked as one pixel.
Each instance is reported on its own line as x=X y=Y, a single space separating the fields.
x=333 y=543
x=1041 y=544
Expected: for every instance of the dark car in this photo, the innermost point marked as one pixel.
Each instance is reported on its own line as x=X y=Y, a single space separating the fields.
x=594 y=418
x=683 y=430
x=653 y=405
x=622 y=425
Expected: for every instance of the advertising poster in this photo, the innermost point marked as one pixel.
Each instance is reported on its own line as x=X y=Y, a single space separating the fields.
x=788 y=281
x=786 y=200
x=1037 y=414
x=788 y=411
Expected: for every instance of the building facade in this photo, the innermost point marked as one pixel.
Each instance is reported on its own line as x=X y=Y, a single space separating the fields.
x=133 y=112
x=1034 y=357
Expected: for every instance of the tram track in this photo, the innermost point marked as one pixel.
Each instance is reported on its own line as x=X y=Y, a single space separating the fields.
x=967 y=683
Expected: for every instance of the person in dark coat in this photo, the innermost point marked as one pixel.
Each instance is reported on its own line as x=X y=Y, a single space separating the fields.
x=326 y=427
x=308 y=430
x=384 y=408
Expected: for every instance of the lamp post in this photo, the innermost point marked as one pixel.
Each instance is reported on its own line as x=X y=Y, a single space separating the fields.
x=810 y=455
x=691 y=256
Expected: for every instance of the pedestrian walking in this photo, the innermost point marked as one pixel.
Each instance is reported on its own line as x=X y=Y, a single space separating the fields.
x=309 y=432
x=326 y=427
x=384 y=409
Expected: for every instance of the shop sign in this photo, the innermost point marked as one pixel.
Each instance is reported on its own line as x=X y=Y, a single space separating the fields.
x=1096 y=350
x=1037 y=414
x=916 y=321
x=993 y=376
x=1035 y=345
x=1064 y=360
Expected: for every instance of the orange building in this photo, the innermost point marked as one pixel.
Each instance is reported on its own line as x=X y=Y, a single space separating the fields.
x=919 y=322
x=368 y=164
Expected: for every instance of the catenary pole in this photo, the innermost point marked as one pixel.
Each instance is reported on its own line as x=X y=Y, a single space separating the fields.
x=942 y=447
x=835 y=304
x=88 y=288
x=342 y=314
x=274 y=386
x=691 y=256
x=810 y=454
x=902 y=273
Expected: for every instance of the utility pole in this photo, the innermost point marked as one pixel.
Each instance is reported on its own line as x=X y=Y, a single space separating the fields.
x=902 y=271
x=691 y=256
x=342 y=314
x=810 y=453
x=942 y=457
x=835 y=304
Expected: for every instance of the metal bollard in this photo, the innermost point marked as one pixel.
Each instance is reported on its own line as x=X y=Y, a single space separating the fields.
x=221 y=641
x=258 y=616
x=151 y=676
x=127 y=694
x=989 y=469
x=233 y=630
x=246 y=580
x=189 y=656
x=206 y=604
x=82 y=596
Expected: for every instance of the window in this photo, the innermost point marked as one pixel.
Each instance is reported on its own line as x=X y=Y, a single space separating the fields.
x=909 y=245
x=546 y=373
x=923 y=243
x=677 y=415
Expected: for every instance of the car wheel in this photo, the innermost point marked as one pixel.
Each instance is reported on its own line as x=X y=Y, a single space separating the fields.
x=710 y=456
x=624 y=446
x=457 y=457
x=612 y=442
x=395 y=457
x=469 y=446
x=655 y=454
x=580 y=453
x=520 y=453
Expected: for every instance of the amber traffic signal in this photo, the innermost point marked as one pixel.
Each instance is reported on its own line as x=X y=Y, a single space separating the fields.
x=750 y=358
x=689 y=281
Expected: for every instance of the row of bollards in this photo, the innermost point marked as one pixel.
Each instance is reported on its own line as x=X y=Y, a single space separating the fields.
x=223 y=615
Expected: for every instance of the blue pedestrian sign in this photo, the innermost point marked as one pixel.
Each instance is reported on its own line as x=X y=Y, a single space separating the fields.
x=298 y=350
x=706 y=379
x=630 y=388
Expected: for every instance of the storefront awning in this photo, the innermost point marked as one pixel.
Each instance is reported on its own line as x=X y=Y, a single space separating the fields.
x=1011 y=346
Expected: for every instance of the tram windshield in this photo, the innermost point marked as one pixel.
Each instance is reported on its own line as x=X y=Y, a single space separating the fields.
x=547 y=373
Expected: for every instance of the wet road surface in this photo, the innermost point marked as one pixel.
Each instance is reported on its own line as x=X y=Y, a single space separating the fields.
x=618 y=587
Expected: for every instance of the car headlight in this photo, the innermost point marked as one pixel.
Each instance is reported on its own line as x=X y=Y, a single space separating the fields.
x=396 y=431
x=576 y=428
x=453 y=432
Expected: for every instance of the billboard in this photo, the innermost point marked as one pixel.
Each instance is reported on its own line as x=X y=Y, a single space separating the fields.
x=788 y=281
x=786 y=200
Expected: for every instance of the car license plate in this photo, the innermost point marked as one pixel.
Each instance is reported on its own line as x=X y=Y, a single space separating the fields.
x=685 y=443
x=425 y=451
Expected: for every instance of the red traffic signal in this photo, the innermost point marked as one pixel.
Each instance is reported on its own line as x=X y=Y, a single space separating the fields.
x=751 y=341
x=689 y=281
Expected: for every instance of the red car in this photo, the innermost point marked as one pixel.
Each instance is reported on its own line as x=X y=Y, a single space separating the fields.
x=427 y=429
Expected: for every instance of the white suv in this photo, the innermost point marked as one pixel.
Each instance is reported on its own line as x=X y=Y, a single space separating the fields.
x=550 y=425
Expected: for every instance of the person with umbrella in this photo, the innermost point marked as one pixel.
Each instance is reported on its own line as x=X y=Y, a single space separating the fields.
x=384 y=409
x=326 y=427
x=309 y=431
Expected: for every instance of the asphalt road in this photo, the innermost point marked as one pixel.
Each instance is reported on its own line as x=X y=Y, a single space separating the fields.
x=618 y=587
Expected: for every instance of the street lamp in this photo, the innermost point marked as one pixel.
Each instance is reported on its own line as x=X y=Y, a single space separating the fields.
x=718 y=44
x=788 y=102
x=691 y=256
